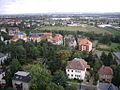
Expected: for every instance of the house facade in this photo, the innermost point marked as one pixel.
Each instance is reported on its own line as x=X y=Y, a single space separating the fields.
x=57 y=40
x=18 y=36
x=21 y=81
x=35 y=38
x=85 y=45
x=13 y=30
x=105 y=74
x=76 y=69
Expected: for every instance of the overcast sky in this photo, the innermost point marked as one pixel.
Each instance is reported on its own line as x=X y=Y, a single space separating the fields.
x=52 y=6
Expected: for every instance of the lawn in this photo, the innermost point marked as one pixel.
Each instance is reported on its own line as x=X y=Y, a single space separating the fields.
x=75 y=28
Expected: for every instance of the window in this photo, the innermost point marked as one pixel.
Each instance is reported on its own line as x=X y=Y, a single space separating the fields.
x=68 y=70
x=71 y=70
x=68 y=74
x=72 y=75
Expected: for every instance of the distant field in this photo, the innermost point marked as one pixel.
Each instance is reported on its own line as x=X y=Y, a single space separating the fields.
x=111 y=30
x=75 y=28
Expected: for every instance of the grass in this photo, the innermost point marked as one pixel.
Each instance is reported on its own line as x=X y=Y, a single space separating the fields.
x=111 y=30
x=74 y=28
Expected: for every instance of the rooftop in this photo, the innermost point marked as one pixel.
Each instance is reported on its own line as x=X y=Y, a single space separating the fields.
x=105 y=70
x=85 y=41
x=22 y=73
x=22 y=76
x=77 y=63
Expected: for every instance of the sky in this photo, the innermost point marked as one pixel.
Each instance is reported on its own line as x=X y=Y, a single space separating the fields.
x=57 y=6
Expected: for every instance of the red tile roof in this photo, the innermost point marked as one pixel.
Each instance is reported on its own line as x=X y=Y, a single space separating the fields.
x=84 y=41
x=78 y=64
x=35 y=36
x=57 y=37
x=105 y=70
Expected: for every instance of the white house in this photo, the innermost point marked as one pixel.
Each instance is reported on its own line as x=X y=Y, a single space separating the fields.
x=21 y=80
x=3 y=57
x=76 y=69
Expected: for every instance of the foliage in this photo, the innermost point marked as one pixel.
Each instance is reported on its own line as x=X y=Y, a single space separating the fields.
x=59 y=77
x=40 y=77
x=53 y=86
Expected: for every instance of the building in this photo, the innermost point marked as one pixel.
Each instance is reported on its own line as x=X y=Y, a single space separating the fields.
x=21 y=81
x=2 y=29
x=70 y=41
x=18 y=36
x=57 y=40
x=85 y=45
x=3 y=57
x=117 y=56
x=13 y=30
x=2 y=74
x=105 y=74
x=35 y=38
x=76 y=69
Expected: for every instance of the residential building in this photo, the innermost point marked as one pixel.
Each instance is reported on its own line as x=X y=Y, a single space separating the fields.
x=2 y=74
x=70 y=41
x=117 y=57
x=85 y=45
x=76 y=69
x=57 y=40
x=21 y=81
x=13 y=30
x=18 y=36
x=2 y=29
x=35 y=38
x=105 y=74
x=3 y=57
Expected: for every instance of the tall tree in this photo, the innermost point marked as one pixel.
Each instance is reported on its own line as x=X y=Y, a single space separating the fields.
x=40 y=77
x=59 y=77
x=15 y=66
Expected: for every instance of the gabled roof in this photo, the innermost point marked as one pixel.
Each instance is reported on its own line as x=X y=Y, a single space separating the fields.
x=35 y=36
x=105 y=70
x=76 y=63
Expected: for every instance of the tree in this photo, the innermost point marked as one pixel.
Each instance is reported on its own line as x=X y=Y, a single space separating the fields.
x=40 y=77
x=15 y=66
x=53 y=86
x=59 y=77
x=63 y=56
x=97 y=65
x=18 y=52
x=110 y=59
x=104 y=58
x=116 y=77
x=34 y=52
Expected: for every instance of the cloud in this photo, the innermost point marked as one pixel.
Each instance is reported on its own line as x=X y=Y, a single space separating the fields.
x=43 y=6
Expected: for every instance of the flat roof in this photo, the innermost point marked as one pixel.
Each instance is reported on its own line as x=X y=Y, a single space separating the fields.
x=22 y=73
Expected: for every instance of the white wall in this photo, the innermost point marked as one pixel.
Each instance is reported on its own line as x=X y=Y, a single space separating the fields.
x=78 y=74
x=26 y=86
